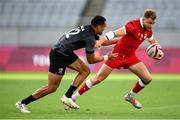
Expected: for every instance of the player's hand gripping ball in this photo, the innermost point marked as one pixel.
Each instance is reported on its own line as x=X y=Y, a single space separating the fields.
x=154 y=51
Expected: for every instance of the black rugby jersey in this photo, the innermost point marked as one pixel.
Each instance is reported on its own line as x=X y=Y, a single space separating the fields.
x=81 y=37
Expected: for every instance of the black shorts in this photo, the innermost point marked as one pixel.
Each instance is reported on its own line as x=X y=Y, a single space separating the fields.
x=59 y=62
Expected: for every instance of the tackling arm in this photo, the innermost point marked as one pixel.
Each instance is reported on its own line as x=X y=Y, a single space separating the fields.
x=109 y=37
x=105 y=42
x=94 y=58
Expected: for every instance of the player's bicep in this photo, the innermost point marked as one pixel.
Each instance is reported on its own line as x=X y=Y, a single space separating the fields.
x=90 y=44
x=117 y=33
x=129 y=28
x=120 y=32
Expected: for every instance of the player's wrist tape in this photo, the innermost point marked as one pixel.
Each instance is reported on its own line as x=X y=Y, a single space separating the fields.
x=105 y=57
x=110 y=35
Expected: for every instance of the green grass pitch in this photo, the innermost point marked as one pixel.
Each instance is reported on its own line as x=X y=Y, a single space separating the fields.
x=161 y=99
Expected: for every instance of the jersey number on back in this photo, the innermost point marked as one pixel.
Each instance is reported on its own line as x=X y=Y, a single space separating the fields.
x=74 y=31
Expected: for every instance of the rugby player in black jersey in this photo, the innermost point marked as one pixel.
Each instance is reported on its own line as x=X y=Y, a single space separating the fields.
x=62 y=55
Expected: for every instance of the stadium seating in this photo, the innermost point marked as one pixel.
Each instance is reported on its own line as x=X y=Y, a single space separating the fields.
x=44 y=21
x=119 y=12
x=40 y=13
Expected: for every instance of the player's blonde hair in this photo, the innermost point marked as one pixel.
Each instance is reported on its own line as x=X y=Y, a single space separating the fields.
x=150 y=13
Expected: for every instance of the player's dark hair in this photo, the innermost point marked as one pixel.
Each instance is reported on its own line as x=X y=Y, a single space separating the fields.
x=98 y=20
x=149 y=13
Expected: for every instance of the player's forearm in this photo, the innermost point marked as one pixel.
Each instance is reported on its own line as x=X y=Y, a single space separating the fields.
x=153 y=41
x=96 y=59
x=109 y=42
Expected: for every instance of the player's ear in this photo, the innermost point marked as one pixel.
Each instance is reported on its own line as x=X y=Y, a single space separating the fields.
x=97 y=37
x=105 y=24
x=99 y=29
x=96 y=29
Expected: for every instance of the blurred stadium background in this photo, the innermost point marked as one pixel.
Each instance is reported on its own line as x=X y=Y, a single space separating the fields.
x=29 y=28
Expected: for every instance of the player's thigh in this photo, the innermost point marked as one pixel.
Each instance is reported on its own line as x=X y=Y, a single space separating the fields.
x=141 y=71
x=54 y=80
x=102 y=74
x=79 y=66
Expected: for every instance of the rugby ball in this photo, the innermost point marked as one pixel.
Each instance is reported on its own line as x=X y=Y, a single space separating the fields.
x=154 y=51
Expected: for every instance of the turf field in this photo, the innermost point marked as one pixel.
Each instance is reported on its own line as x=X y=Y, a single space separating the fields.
x=161 y=99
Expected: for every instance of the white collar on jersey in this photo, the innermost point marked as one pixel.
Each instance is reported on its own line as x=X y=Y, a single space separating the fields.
x=141 y=22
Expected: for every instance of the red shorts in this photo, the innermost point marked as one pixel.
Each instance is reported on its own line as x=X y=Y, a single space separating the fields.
x=123 y=61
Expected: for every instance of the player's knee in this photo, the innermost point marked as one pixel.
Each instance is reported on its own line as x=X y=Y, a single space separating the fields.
x=86 y=71
x=147 y=80
x=52 y=89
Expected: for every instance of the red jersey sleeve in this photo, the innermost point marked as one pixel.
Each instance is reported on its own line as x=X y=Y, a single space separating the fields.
x=129 y=28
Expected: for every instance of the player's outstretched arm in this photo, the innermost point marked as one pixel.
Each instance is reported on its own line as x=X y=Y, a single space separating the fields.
x=94 y=58
x=110 y=42
x=104 y=42
x=110 y=36
x=120 y=32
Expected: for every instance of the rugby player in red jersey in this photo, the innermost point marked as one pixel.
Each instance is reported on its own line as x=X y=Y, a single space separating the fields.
x=133 y=34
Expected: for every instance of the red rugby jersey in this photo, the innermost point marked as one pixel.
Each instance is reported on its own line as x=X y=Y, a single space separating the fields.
x=135 y=35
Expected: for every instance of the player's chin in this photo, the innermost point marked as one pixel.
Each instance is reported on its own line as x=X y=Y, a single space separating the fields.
x=149 y=29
